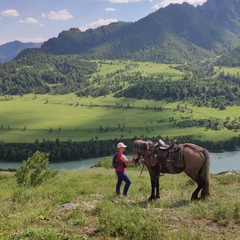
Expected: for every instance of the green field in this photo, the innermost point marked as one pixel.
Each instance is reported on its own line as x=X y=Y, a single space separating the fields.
x=145 y=68
x=31 y=117
x=226 y=70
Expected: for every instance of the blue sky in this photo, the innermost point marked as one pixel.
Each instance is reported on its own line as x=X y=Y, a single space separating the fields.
x=39 y=20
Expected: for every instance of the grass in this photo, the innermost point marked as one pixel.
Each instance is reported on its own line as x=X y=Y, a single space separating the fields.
x=82 y=204
x=227 y=70
x=145 y=68
x=27 y=118
x=30 y=117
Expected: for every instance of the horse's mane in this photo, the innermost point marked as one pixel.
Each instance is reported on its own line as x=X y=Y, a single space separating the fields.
x=141 y=146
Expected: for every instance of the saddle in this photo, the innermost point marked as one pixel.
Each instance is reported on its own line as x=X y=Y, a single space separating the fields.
x=163 y=146
x=169 y=156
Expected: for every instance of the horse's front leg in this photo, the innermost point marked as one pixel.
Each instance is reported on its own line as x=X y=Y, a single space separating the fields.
x=153 y=185
x=157 y=187
x=157 y=176
x=152 y=188
x=155 y=193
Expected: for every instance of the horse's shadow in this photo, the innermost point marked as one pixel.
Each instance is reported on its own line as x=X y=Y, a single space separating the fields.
x=176 y=204
x=145 y=203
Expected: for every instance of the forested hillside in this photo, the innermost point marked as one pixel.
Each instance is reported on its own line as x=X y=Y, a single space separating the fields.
x=34 y=71
x=180 y=33
x=175 y=34
x=231 y=59
x=216 y=93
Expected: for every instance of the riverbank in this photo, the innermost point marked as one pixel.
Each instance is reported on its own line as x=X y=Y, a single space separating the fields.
x=220 y=162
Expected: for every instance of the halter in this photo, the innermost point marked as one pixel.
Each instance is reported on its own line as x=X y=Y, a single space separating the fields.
x=144 y=157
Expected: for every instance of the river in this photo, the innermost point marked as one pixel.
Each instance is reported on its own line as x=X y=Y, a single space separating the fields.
x=220 y=162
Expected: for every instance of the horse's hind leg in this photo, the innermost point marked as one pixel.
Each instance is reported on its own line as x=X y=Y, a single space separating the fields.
x=200 y=186
x=200 y=183
x=205 y=191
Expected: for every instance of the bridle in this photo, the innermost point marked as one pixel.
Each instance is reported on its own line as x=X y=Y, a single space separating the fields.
x=142 y=156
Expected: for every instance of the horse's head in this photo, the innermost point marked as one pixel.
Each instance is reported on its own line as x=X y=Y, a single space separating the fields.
x=143 y=149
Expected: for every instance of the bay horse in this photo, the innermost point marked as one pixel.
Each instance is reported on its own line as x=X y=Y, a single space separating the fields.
x=161 y=158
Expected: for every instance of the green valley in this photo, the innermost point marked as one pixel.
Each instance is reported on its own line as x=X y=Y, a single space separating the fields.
x=122 y=100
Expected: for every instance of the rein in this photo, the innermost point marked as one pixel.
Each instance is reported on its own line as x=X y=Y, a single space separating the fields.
x=144 y=164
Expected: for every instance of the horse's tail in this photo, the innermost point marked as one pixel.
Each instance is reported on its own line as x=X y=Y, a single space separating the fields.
x=205 y=175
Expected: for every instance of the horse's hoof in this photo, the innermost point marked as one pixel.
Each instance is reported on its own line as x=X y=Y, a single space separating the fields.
x=194 y=198
x=153 y=198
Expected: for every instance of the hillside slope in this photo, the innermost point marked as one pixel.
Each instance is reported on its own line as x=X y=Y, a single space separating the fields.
x=81 y=204
x=175 y=34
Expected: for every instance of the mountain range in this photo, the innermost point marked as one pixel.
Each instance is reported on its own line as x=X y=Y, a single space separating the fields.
x=10 y=50
x=174 y=34
x=177 y=33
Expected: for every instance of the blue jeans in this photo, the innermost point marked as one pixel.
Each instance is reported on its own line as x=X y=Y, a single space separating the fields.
x=122 y=176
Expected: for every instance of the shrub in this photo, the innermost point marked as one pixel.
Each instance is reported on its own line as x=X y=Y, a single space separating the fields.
x=33 y=171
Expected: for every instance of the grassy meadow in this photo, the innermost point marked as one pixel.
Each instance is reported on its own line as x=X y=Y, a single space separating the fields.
x=145 y=68
x=30 y=117
x=226 y=70
x=82 y=204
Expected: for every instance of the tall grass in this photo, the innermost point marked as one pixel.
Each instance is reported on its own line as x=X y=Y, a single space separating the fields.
x=82 y=204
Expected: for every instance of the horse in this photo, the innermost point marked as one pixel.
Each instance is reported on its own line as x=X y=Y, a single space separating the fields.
x=161 y=158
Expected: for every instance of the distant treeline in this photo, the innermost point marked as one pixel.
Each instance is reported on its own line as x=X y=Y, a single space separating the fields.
x=61 y=151
x=215 y=93
x=198 y=88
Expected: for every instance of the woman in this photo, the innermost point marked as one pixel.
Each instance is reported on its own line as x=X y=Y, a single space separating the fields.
x=121 y=170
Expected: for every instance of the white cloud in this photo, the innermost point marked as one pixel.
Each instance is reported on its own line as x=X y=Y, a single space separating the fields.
x=60 y=15
x=31 y=21
x=10 y=13
x=98 y=23
x=110 y=9
x=165 y=3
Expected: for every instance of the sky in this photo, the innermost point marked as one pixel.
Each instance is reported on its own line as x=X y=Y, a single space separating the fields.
x=39 y=20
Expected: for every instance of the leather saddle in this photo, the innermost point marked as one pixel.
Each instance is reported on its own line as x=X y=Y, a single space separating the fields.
x=165 y=152
x=163 y=146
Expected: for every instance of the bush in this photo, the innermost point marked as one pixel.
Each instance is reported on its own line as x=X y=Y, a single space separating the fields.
x=33 y=171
